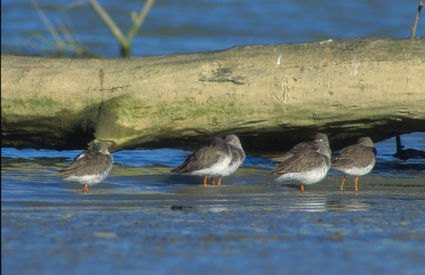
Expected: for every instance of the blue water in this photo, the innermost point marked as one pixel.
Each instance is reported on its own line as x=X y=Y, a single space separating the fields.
x=144 y=220
x=191 y=26
x=387 y=165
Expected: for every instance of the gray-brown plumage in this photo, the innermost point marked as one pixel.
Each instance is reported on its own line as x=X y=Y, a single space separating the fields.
x=90 y=167
x=212 y=160
x=357 y=160
x=238 y=154
x=318 y=138
x=308 y=166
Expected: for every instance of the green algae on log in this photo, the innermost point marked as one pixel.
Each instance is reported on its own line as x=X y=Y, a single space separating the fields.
x=272 y=96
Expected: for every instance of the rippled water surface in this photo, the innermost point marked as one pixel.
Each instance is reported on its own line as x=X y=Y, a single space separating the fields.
x=190 y=26
x=143 y=218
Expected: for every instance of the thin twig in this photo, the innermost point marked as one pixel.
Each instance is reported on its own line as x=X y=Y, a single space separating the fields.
x=49 y=25
x=124 y=41
x=109 y=22
x=62 y=42
x=71 y=43
x=415 y=23
x=74 y=5
x=67 y=34
x=138 y=20
x=36 y=45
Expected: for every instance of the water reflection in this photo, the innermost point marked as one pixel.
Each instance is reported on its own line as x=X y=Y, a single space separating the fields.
x=148 y=214
x=324 y=203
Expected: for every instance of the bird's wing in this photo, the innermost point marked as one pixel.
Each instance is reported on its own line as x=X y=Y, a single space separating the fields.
x=297 y=149
x=300 y=163
x=88 y=164
x=354 y=156
x=201 y=159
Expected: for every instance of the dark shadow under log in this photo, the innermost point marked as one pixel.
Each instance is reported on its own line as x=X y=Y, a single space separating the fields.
x=272 y=96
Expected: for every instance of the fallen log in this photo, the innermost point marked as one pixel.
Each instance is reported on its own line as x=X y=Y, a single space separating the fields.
x=272 y=96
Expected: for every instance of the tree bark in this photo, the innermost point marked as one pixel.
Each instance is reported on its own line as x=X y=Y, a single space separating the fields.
x=271 y=96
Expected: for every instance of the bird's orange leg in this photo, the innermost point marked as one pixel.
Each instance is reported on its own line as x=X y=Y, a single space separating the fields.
x=302 y=188
x=342 y=183
x=219 y=181
x=86 y=188
x=355 y=184
x=205 y=180
x=212 y=181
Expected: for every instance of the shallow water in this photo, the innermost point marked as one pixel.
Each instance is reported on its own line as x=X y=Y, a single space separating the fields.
x=143 y=218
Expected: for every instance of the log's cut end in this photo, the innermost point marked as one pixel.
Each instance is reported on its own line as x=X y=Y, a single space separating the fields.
x=271 y=96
